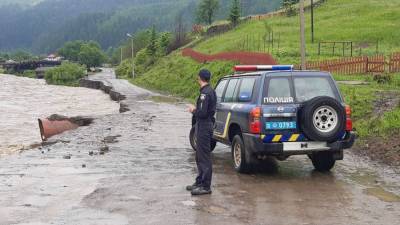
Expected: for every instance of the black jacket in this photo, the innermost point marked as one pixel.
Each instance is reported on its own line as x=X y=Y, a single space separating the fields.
x=206 y=104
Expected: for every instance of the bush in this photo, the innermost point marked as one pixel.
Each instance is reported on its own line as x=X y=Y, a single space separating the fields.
x=29 y=73
x=124 y=69
x=67 y=74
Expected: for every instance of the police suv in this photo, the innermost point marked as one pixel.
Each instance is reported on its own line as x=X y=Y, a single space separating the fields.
x=277 y=111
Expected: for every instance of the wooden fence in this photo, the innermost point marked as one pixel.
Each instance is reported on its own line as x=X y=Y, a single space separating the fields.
x=394 y=63
x=353 y=65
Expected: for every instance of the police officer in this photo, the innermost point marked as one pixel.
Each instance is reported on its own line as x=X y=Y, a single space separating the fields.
x=204 y=113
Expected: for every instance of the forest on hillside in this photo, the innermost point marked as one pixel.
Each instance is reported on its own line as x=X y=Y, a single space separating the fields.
x=47 y=25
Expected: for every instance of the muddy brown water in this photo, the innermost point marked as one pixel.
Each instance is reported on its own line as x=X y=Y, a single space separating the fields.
x=24 y=100
x=141 y=179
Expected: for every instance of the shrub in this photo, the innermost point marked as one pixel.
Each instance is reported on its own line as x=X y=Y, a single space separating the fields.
x=67 y=74
x=29 y=73
x=124 y=69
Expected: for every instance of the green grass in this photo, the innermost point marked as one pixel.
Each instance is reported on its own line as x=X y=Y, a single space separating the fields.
x=335 y=20
x=177 y=75
x=361 y=98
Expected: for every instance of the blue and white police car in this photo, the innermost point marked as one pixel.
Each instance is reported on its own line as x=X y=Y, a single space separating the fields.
x=277 y=111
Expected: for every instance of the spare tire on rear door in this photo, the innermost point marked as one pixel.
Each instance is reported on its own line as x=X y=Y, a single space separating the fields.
x=323 y=119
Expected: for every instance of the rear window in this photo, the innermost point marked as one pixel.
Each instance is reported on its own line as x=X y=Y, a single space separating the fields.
x=311 y=87
x=278 y=91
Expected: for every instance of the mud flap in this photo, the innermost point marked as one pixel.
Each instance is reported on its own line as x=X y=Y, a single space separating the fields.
x=338 y=155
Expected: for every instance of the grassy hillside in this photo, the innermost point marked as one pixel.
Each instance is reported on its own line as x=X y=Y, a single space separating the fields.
x=335 y=20
x=355 y=20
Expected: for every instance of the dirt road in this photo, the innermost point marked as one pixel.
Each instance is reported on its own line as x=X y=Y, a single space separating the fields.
x=140 y=178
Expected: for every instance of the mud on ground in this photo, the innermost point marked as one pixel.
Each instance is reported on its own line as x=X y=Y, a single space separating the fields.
x=382 y=149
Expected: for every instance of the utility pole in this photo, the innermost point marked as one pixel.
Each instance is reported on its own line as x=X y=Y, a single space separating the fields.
x=121 y=56
x=312 y=21
x=133 y=58
x=302 y=37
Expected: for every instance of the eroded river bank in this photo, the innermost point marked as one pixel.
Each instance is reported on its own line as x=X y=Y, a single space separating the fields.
x=132 y=168
x=23 y=101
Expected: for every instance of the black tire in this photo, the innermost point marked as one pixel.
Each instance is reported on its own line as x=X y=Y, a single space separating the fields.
x=323 y=161
x=323 y=119
x=238 y=150
x=192 y=139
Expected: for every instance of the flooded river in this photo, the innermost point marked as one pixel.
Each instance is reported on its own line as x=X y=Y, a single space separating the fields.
x=24 y=100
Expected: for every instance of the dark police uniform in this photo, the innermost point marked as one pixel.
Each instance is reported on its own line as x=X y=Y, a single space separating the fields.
x=205 y=111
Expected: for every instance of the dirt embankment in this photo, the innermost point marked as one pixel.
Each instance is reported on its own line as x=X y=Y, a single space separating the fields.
x=385 y=150
x=108 y=89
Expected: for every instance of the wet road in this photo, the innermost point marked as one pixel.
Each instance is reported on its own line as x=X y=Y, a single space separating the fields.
x=140 y=179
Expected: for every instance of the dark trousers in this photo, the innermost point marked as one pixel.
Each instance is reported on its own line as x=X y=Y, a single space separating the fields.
x=204 y=132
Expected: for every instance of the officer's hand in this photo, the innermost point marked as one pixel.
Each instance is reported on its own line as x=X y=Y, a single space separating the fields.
x=191 y=108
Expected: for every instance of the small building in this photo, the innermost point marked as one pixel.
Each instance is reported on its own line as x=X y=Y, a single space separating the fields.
x=53 y=57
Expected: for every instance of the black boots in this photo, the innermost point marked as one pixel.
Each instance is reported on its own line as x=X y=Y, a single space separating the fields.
x=192 y=187
x=201 y=191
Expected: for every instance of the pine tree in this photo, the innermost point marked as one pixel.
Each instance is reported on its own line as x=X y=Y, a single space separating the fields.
x=234 y=15
x=152 y=47
x=206 y=10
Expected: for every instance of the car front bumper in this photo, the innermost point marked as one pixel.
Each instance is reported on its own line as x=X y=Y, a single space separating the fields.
x=255 y=145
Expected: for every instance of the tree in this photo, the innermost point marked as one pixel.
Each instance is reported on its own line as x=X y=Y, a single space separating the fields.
x=180 y=37
x=163 y=43
x=206 y=10
x=234 y=15
x=91 y=56
x=288 y=6
x=86 y=53
x=152 y=46
x=71 y=50
x=21 y=55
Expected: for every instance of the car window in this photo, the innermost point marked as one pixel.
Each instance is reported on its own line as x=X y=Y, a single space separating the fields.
x=279 y=87
x=278 y=91
x=219 y=90
x=310 y=87
x=246 y=89
x=230 y=90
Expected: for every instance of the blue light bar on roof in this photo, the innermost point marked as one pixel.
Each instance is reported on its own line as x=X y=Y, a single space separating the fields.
x=262 y=67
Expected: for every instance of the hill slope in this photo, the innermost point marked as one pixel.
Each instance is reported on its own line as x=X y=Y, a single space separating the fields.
x=45 y=26
x=356 y=20
x=364 y=21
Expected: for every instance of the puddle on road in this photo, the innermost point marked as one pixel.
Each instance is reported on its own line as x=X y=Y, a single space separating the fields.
x=373 y=186
x=383 y=195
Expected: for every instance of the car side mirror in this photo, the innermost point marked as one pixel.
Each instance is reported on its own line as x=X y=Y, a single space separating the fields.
x=245 y=97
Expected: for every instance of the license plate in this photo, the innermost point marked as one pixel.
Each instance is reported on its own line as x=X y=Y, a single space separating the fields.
x=305 y=146
x=281 y=125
